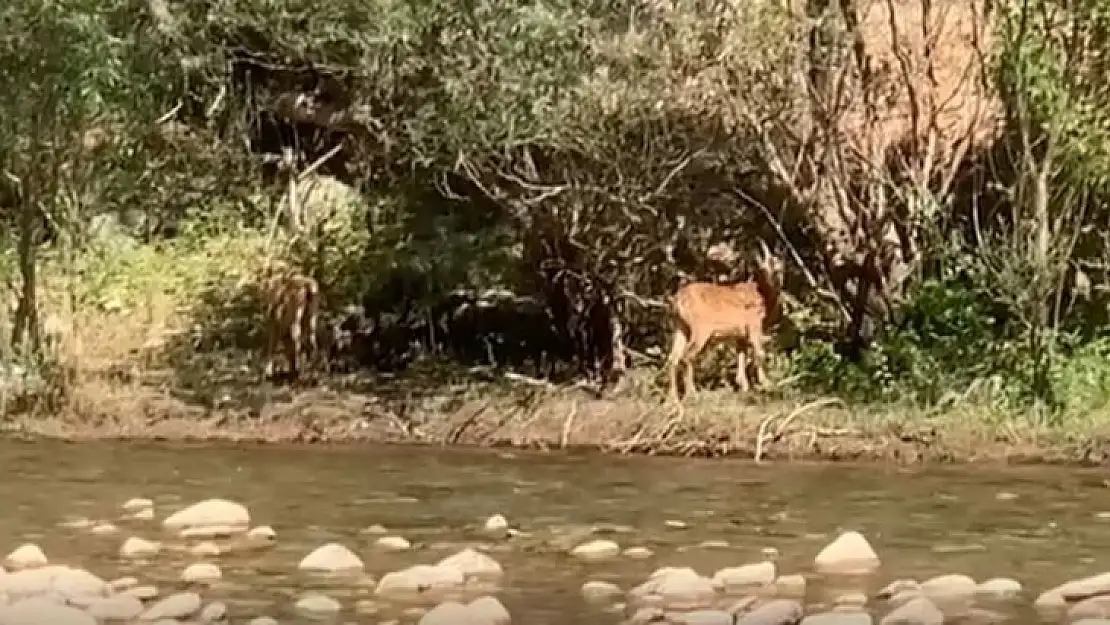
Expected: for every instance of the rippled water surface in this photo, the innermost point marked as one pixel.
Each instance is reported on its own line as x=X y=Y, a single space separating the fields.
x=1040 y=525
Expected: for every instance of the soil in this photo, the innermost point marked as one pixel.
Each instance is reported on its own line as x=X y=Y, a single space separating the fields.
x=540 y=416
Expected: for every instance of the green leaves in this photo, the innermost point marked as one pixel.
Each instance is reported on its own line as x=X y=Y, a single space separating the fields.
x=1052 y=69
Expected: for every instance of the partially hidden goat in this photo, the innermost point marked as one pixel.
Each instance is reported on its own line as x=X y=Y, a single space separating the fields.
x=703 y=312
x=291 y=305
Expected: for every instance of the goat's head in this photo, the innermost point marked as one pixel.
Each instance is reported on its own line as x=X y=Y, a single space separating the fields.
x=770 y=267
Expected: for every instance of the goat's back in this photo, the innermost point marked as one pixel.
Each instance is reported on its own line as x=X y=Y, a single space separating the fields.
x=720 y=306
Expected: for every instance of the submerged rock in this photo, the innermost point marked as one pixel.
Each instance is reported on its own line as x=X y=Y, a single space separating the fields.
x=176 y=606
x=473 y=563
x=596 y=550
x=317 y=603
x=135 y=547
x=210 y=513
x=737 y=579
x=419 y=579
x=678 y=589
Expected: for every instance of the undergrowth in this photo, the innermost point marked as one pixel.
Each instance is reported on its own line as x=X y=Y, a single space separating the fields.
x=178 y=318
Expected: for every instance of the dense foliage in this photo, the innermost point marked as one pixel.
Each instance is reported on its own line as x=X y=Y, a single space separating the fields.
x=586 y=155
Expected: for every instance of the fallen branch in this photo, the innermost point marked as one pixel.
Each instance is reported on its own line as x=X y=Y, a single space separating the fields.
x=568 y=423
x=761 y=434
x=311 y=169
x=530 y=381
x=169 y=114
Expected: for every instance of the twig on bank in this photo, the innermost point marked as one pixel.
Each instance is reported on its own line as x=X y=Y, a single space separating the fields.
x=568 y=423
x=761 y=434
x=530 y=381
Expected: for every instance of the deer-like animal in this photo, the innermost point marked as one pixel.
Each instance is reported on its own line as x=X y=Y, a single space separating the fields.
x=703 y=312
x=291 y=304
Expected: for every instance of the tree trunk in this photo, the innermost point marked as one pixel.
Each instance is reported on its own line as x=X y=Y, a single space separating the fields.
x=25 y=331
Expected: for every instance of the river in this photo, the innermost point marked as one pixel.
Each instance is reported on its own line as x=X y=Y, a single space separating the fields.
x=1041 y=525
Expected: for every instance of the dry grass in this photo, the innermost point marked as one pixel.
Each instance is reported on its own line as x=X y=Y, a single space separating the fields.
x=484 y=415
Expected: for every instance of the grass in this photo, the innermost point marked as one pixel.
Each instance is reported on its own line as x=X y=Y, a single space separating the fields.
x=161 y=346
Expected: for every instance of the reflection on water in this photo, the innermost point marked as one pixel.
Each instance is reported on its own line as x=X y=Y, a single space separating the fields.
x=1040 y=524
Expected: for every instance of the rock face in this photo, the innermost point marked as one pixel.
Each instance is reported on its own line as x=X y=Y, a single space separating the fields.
x=849 y=554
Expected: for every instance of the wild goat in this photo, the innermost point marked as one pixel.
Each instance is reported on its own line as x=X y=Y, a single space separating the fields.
x=291 y=304
x=703 y=312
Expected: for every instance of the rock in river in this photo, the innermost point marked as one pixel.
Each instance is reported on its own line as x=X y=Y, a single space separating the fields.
x=26 y=556
x=735 y=579
x=201 y=572
x=676 y=588
x=482 y=611
x=135 y=547
x=209 y=513
x=474 y=564
x=849 y=554
x=419 y=579
x=331 y=558
x=596 y=550
x=316 y=603
x=177 y=606
x=39 y=611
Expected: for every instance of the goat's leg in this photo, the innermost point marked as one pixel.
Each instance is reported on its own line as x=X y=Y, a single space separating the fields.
x=311 y=329
x=698 y=341
x=293 y=346
x=742 y=367
x=271 y=345
x=757 y=360
x=674 y=360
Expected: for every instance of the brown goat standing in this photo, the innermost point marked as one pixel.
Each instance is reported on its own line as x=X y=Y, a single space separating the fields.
x=291 y=303
x=704 y=312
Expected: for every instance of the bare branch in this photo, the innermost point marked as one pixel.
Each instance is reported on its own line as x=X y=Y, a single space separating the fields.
x=311 y=169
x=168 y=115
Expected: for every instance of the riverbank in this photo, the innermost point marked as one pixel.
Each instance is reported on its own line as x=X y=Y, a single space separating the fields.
x=530 y=414
x=168 y=349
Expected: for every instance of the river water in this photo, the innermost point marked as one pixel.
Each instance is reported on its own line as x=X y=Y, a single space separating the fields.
x=1040 y=525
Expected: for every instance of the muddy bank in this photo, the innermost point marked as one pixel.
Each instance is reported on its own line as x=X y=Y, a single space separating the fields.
x=716 y=424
